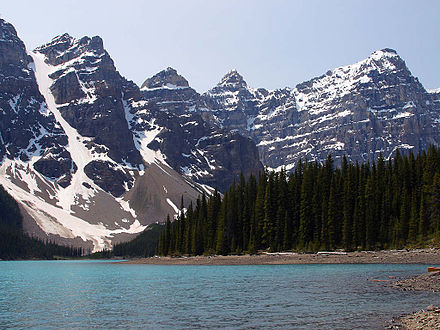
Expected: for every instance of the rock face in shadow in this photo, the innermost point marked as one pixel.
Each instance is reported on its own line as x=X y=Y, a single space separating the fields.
x=27 y=128
x=89 y=93
x=206 y=153
x=191 y=141
x=109 y=147
x=90 y=159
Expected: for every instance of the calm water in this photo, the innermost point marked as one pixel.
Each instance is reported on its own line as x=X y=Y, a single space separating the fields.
x=85 y=294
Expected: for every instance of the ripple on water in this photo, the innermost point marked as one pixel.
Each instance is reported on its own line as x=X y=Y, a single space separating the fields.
x=78 y=294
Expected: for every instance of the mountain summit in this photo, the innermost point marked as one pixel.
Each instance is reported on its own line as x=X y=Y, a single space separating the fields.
x=232 y=79
x=360 y=110
x=93 y=159
x=89 y=158
x=168 y=78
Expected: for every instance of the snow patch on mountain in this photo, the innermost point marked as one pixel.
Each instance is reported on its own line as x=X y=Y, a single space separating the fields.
x=81 y=156
x=53 y=219
x=317 y=95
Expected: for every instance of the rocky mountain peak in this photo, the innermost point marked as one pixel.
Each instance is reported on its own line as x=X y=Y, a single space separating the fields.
x=59 y=43
x=28 y=132
x=384 y=53
x=386 y=59
x=232 y=79
x=64 y=48
x=12 y=49
x=7 y=31
x=168 y=78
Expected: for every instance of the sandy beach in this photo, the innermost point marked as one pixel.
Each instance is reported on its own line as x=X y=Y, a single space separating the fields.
x=419 y=256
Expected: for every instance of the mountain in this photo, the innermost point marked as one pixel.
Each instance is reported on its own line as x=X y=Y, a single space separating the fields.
x=88 y=158
x=29 y=133
x=191 y=142
x=93 y=159
x=360 y=110
x=170 y=92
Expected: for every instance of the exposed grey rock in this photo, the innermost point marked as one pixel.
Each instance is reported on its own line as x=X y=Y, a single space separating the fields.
x=190 y=138
x=166 y=78
x=26 y=127
x=108 y=178
x=371 y=107
x=170 y=92
x=105 y=190
x=89 y=91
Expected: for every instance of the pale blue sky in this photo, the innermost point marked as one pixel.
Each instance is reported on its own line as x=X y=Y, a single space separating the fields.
x=273 y=44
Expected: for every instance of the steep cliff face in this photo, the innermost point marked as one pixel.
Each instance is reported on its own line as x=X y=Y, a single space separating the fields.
x=359 y=110
x=89 y=157
x=88 y=93
x=187 y=136
x=67 y=155
x=170 y=92
x=233 y=102
x=29 y=133
x=373 y=106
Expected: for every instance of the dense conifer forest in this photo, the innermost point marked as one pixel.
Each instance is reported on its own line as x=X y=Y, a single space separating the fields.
x=14 y=244
x=143 y=245
x=388 y=204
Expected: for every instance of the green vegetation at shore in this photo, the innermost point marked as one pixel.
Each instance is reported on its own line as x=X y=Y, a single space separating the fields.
x=385 y=205
x=14 y=244
x=388 y=204
x=143 y=245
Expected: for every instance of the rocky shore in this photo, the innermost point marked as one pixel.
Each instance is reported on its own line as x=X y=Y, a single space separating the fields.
x=419 y=256
x=424 y=282
x=424 y=319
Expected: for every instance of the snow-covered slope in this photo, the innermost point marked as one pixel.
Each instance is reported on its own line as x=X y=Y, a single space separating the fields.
x=90 y=158
x=373 y=106
x=67 y=154
x=93 y=158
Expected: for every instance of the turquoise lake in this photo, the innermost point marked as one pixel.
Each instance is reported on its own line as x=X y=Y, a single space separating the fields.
x=90 y=294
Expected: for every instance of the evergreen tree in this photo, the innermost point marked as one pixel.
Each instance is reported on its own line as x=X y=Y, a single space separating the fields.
x=390 y=204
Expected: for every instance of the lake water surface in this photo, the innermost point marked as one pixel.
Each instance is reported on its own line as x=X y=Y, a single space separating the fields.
x=90 y=294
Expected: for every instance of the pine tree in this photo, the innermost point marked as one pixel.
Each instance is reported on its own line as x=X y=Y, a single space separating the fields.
x=434 y=206
x=388 y=205
x=306 y=209
x=269 y=213
x=412 y=227
x=222 y=244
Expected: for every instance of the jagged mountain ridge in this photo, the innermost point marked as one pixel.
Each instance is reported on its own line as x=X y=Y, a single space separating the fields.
x=90 y=155
x=360 y=110
x=103 y=135
x=373 y=106
x=27 y=129
x=192 y=143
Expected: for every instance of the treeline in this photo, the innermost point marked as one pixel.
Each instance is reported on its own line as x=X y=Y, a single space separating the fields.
x=14 y=244
x=384 y=205
x=143 y=245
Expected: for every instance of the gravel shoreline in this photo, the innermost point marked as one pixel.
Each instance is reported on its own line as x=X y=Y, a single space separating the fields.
x=424 y=319
x=424 y=282
x=419 y=256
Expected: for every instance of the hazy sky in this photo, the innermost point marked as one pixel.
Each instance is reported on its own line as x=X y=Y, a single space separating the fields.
x=272 y=43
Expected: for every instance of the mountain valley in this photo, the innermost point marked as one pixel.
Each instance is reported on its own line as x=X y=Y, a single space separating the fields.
x=93 y=159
